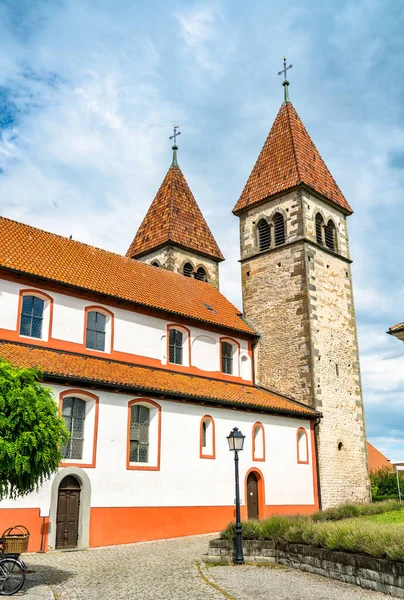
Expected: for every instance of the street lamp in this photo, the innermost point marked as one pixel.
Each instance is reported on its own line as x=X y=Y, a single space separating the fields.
x=236 y=443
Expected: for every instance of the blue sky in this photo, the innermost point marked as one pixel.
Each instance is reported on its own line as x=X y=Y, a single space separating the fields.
x=90 y=89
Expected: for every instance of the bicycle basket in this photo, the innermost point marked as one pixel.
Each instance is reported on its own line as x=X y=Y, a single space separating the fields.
x=15 y=540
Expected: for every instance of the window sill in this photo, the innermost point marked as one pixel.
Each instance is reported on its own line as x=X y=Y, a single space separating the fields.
x=31 y=337
x=98 y=351
x=76 y=463
x=142 y=467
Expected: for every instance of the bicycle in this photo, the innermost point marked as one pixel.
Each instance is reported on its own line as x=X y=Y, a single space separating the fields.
x=12 y=575
x=12 y=567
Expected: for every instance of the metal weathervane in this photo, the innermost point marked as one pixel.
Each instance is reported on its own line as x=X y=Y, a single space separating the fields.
x=285 y=83
x=175 y=147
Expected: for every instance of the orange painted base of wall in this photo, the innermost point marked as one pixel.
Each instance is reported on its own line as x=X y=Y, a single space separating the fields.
x=109 y=526
x=125 y=525
x=29 y=517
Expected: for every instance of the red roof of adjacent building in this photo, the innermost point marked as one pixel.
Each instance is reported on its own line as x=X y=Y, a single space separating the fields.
x=25 y=249
x=289 y=158
x=395 y=328
x=376 y=459
x=174 y=217
x=147 y=379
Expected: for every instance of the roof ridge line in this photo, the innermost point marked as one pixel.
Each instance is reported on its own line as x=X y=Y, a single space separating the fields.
x=293 y=141
x=170 y=221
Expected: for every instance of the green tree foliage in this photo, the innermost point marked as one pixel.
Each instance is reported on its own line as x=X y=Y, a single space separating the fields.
x=31 y=431
x=384 y=483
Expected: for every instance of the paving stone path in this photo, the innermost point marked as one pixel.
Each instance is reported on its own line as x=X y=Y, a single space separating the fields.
x=282 y=583
x=168 y=570
x=161 y=570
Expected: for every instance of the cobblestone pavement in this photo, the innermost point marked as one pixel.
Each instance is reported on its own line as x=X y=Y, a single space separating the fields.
x=164 y=569
x=168 y=569
x=282 y=583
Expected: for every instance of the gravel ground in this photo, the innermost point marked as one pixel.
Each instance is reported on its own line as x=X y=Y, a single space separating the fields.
x=168 y=570
x=281 y=583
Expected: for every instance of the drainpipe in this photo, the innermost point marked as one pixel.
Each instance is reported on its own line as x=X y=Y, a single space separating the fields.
x=316 y=424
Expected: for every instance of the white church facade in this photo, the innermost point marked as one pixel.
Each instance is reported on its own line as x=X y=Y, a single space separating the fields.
x=152 y=366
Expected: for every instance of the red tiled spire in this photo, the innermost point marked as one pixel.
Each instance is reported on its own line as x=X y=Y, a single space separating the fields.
x=289 y=158
x=174 y=217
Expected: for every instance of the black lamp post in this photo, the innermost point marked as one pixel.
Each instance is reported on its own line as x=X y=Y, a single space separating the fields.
x=236 y=443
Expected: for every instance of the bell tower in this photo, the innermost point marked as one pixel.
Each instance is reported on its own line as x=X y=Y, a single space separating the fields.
x=174 y=234
x=297 y=293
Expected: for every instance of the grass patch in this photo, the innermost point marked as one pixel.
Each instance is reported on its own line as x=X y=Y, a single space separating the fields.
x=373 y=529
x=395 y=516
x=349 y=511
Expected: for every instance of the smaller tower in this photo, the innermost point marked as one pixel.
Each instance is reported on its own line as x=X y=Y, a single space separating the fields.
x=174 y=234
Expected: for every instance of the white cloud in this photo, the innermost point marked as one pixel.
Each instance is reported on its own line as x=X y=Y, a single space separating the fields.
x=207 y=42
x=383 y=374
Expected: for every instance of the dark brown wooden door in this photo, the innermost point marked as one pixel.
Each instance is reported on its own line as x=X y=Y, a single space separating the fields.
x=67 y=518
x=252 y=496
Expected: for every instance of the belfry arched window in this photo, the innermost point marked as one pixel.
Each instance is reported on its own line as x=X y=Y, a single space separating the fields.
x=279 y=229
x=264 y=235
x=201 y=274
x=330 y=236
x=188 y=269
x=319 y=229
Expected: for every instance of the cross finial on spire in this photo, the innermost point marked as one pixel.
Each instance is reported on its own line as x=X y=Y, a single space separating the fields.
x=175 y=147
x=285 y=83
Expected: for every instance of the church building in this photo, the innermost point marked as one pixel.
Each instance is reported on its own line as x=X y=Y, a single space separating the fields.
x=152 y=366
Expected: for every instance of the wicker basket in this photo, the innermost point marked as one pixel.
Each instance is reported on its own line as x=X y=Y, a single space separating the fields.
x=13 y=542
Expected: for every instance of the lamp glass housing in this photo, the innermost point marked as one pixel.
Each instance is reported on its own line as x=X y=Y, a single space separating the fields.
x=236 y=440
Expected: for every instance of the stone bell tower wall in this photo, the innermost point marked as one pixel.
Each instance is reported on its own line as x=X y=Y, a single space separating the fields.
x=335 y=363
x=173 y=258
x=299 y=298
x=275 y=300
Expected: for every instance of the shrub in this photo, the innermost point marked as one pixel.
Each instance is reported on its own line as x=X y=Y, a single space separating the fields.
x=339 y=528
x=384 y=483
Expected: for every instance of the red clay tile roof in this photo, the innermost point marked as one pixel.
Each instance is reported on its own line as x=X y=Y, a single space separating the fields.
x=81 y=368
x=174 y=217
x=29 y=250
x=377 y=460
x=398 y=327
x=287 y=159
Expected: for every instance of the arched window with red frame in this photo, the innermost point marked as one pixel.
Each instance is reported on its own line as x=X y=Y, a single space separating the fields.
x=207 y=438
x=302 y=446
x=258 y=442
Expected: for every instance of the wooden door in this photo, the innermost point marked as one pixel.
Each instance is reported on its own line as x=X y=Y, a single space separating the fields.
x=252 y=496
x=67 y=518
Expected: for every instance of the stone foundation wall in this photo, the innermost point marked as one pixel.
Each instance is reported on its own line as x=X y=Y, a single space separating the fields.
x=378 y=574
